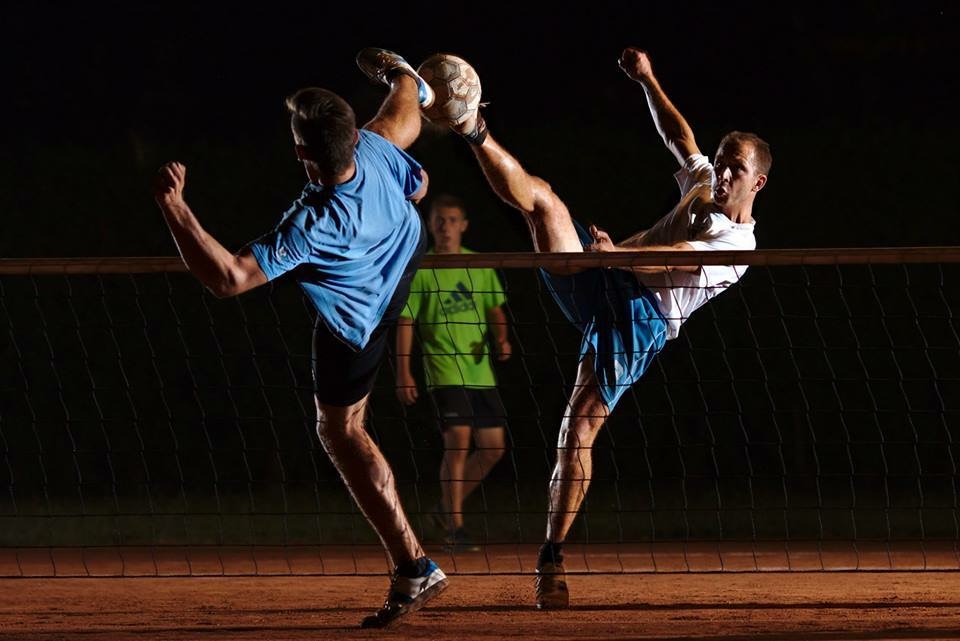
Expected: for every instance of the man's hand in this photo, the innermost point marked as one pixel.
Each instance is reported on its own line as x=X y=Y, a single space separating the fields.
x=503 y=349
x=636 y=64
x=168 y=187
x=601 y=241
x=406 y=388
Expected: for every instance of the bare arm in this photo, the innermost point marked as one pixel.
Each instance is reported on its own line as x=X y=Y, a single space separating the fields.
x=673 y=128
x=603 y=243
x=406 y=384
x=223 y=273
x=497 y=321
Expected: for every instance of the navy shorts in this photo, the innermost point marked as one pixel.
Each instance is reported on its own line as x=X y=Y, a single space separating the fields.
x=477 y=407
x=343 y=375
x=619 y=318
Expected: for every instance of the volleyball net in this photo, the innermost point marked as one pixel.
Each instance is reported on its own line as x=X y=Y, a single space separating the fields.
x=813 y=407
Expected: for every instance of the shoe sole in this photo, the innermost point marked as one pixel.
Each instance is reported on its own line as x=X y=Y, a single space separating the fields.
x=559 y=605
x=421 y=600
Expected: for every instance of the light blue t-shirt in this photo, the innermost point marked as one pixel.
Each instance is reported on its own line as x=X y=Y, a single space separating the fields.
x=351 y=242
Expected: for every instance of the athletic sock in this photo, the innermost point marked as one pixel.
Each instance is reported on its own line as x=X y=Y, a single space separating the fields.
x=413 y=569
x=550 y=552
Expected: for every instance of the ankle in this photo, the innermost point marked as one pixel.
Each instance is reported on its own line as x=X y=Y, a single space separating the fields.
x=476 y=134
x=413 y=568
x=550 y=552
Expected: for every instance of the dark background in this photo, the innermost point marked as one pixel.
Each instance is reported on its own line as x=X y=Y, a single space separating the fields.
x=808 y=403
x=857 y=100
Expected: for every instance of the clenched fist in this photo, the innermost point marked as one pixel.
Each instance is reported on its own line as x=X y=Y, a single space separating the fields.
x=169 y=183
x=636 y=64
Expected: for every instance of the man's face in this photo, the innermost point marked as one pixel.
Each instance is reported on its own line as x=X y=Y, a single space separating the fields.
x=737 y=177
x=447 y=225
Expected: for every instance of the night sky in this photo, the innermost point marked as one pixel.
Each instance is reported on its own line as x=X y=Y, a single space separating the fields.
x=858 y=103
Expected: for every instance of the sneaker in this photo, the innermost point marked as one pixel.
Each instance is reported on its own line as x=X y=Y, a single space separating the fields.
x=408 y=595
x=459 y=541
x=380 y=65
x=551 y=587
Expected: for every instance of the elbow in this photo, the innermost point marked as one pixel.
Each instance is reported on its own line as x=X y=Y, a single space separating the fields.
x=222 y=290
x=226 y=286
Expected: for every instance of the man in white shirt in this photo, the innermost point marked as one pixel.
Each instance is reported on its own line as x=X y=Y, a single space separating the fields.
x=626 y=317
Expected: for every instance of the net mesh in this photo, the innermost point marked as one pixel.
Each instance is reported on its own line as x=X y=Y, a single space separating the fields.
x=804 y=420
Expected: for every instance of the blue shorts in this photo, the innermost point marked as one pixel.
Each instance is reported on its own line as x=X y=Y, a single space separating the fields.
x=621 y=323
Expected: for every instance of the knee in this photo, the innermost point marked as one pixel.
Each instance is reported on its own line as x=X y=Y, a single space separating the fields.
x=334 y=431
x=545 y=201
x=577 y=436
x=455 y=455
x=491 y=455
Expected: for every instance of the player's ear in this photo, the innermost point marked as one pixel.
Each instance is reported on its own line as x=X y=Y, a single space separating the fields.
x=761 y=181
x=356 y=137
x=466 y=223
x=302 y=152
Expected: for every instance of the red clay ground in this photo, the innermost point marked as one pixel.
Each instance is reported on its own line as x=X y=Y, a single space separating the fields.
x=771 y=604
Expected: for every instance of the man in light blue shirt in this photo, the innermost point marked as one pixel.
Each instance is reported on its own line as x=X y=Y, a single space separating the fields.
x=353 y=240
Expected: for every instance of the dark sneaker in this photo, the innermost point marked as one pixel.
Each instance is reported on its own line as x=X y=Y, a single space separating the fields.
x=379 y=65
x=459 y=541
x=551 y=587
x=408 y=595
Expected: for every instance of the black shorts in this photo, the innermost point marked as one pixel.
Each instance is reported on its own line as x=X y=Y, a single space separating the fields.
x=343 y=375
x=471 y=407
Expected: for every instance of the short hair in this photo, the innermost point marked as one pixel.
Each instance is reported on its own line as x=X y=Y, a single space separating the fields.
x=448 y=200
x=761 y=149
x=325 y=124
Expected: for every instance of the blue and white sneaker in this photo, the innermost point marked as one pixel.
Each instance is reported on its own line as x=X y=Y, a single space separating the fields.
x=408 y=595
x=380 y=64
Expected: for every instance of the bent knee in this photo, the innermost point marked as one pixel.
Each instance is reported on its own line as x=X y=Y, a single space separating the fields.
x=545 y=200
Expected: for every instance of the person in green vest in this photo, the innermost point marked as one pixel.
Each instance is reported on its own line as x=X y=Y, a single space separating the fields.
x=459 y=318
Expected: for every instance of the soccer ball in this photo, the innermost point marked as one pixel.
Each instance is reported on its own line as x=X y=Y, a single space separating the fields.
x=456 y=86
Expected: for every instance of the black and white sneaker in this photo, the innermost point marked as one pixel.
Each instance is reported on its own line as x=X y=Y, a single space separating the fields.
x=408 y=594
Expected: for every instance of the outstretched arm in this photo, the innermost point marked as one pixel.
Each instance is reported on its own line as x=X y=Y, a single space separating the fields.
x=673 y=128
x=603 y=243
x=223 y=273
x=398 y=119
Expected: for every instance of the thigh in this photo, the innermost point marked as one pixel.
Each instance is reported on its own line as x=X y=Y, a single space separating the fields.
x=489 y=438
x=550 y=223
x=341 y=375
x=457 y=439
x=488 y=410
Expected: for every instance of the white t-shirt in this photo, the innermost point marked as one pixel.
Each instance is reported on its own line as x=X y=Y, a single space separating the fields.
x=697 y=221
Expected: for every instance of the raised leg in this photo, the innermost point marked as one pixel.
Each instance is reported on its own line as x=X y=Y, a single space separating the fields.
x=368 y=477
x=398 y=119
x=547 y=216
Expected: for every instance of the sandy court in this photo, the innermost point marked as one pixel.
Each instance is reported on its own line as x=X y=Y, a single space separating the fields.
x=486 y=604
